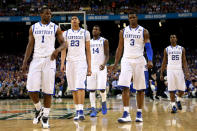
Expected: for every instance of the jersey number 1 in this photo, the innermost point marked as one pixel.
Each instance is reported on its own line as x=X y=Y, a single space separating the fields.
x=43 y=39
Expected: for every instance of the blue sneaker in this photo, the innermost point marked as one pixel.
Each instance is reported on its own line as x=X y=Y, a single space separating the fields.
x=93 y=112
x=76 y=118
x=174 y=109
x=104 y=108
x=178 y=103
x=81 y=115
x=139 y=117
x=125 y=118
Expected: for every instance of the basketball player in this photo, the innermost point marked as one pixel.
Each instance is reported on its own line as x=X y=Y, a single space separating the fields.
x=78 y=57
x=133 y=38
x=97 y=81
x=175 y=55
x=43 y=66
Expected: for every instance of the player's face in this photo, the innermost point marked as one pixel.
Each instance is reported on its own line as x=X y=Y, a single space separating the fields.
x=173 y=39
x=96 y=31
x=75 y=20
x=132 y=19
x=46 y=15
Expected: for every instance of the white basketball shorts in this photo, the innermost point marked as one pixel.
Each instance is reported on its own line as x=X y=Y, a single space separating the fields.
x=98 y=79
x=176 y=81
x=41 y=75
x=133 y=68
x=76 y=72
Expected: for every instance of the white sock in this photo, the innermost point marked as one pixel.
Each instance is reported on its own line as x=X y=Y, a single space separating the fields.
x=46 y=112
x=179 y=98
x=173 y=104
x=126 y=108
x=76 y=107
x=93 y=99
x=38 y=106
x=80 y=106
x=139 y=110
x=103 y=96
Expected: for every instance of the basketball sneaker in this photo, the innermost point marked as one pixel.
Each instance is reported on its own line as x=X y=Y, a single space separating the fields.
x=174 y=109
x=38 y=115
x=178 y=103
x=93 y=112
x=139 y=117
x=104 y=108
x=81 y=115
x=125 y=118
x=45 y=122
x=76 y=118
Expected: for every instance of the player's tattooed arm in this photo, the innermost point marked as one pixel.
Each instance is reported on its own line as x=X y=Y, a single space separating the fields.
x=106 y=53
x=119 y=49
x=185 y=67
x=88 y=56
x=163 y=64
x=62 y=46
x=29 y=50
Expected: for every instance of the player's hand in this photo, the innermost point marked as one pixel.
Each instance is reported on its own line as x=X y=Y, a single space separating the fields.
x=89 y=72
x=112 y=68
x=150 y=64
x=161 y=77
x=24 y=68
x=102 y=67
x=54 y=54
x=62 y=68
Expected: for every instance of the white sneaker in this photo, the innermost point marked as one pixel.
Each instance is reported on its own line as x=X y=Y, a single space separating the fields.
x=38 y=115
x=139 y=117
x=45 y=122
x=125 y=118
x=81 y=115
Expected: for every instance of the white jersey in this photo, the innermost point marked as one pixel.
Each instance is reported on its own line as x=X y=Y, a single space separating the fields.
x=97 y=51
x=76 y=40
x=44 y=36
x=133 y=42
x=174 y=57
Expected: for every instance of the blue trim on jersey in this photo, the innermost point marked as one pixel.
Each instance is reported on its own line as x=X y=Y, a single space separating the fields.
x=54 y=30
x=103 y=42
x=120 y=86
x=123 y=32
x=167 y=50
x=143 y=33
x=33 y=28
x=77 y=30
x=137 y=27
x=33 y=91
x=90 y=90
x=66 y=34
x=48 y=94
x=40 y=23
x=141 y=90
x=48 y=24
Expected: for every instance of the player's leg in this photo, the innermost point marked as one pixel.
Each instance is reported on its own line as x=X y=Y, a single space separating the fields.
x=101 y=85
x=70 y=75
x=91 y=87
x=33 y=87
x=180 y=82
x=124 y=82
x=48 y=82
x=139 y=83
x=80 y=77
x=172 y=89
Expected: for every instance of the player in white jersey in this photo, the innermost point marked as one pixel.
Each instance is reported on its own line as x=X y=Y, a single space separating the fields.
x=174 y=55
x=97 y=81
x=133 y=39
x=78 y=56
x=42 y=69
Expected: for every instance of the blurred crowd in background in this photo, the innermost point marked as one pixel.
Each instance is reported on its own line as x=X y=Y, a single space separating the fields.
x=100 y=7
x=13 y=81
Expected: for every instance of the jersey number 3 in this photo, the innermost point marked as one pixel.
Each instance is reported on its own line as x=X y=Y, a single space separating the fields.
x=132 y=42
